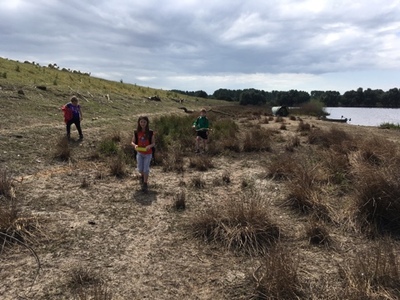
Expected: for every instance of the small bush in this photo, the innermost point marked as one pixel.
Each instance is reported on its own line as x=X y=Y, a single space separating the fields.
x=118 y=166
x=240 y=224
x=62 y=151
x=84 y=284
x=292 y=143
x=277 y=277
x=172 y=160
x=372 y=274
x=303 y=127
x=108 y=147
x=377 y=200
x=201 y=162
x=318 y=235
x=282 y=167
x=257 y=140
x=6 y=188
x=180 y=201
x=197 y=182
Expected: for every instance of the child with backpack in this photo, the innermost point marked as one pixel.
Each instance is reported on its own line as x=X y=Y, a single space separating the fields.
x=202 y=127
x=73 y=115
x=143 y=142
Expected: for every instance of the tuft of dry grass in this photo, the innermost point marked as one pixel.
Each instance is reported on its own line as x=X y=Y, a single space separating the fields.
x=377 y=200
x=180 y=201
x=118 y=166
x=303 y=127
x=318 y=235
x=241 y=224
x=292 y=143
x=172 y=160
x=84 y=284
x=374 y=273
x=6 y=188
x=257 y=139
x=197 y=182
x=277 y=277
x=201 y=162
x=282 y=167
x=62 y=149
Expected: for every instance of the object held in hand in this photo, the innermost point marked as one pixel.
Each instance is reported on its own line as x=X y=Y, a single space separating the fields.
x=143 y=149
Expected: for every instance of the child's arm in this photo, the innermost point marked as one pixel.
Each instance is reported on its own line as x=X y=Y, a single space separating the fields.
x=152 y=143
x=133 y=143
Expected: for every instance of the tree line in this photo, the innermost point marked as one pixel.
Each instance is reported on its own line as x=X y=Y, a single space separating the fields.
x=358 y=98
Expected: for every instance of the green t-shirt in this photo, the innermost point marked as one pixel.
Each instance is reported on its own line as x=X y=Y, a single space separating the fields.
x=201 y=123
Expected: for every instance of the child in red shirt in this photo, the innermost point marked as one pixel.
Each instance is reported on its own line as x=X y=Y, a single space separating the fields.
x=143 y=141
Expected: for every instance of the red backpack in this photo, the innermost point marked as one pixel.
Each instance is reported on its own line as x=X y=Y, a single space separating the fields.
x=67 y=113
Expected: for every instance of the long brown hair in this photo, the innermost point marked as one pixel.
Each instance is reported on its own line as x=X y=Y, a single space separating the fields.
x=139 y=128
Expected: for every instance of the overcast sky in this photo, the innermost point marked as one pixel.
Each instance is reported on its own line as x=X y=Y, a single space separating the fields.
x=205 y=45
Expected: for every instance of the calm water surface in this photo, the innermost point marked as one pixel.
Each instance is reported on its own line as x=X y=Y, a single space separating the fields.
x=365 y=116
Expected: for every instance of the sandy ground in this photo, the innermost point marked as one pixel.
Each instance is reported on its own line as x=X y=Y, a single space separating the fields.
x=138 y=244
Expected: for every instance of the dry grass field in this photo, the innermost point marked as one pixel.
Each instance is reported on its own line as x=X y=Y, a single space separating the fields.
x=277 y=208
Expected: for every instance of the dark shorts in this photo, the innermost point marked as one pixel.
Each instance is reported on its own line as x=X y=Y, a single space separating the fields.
x=202 y=134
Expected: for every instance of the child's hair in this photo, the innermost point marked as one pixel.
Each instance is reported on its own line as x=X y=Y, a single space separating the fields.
x=203 y=110
x=74 y=99
x=139 y=128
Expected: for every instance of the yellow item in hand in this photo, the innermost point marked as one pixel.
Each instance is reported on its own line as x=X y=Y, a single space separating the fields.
x=143 y=149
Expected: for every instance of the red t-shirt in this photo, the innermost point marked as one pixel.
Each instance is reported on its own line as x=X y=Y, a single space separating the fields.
x=143 y=142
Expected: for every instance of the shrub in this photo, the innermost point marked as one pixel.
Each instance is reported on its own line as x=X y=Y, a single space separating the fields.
x=118 y=166
x=377 y=200
x=108 y=147
x=197 y=182
x=372 y=274
x=84 y=283
x=180 y=201
x=201 y=162
x=258 y=139
x=303 y=126
x=241 y=224
x=173 y=160
x=277 y=277
x=282 y=167
x=292 y=143
x=62 y=151
x=318 y=235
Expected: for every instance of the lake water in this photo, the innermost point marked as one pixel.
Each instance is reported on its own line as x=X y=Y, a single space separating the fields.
x=365 y=116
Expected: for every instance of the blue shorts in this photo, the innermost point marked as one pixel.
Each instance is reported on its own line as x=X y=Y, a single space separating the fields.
x=143 y=162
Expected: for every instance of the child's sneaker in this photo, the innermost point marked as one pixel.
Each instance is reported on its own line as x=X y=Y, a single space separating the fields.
x=144 y=187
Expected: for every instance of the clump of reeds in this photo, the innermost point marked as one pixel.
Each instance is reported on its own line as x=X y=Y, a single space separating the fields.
x=201 y=162
x=15 y=227
x=180 y=200
x=304 y=195
x=197 y=182
x=241 y=224
x=282 y=167
x=118 y=166
x=292 y=143
x=303 y=126
x=172 y=160
x=373 y=273
x=277 y=277
x=257 y=139
x=377 y=200
x=84 y=283
x=318 y=235
x=62 y=149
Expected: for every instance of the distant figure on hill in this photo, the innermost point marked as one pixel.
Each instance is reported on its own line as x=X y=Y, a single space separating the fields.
x=202 y=128
x=143 y=142
x=73 y=115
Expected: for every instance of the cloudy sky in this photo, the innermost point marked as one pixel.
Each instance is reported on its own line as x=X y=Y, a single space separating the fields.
x=205 y=45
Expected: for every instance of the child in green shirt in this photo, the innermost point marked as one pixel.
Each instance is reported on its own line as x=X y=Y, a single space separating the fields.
x=202 y=127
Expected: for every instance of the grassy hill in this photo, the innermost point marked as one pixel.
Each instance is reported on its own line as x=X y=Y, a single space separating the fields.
x=277 y=208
